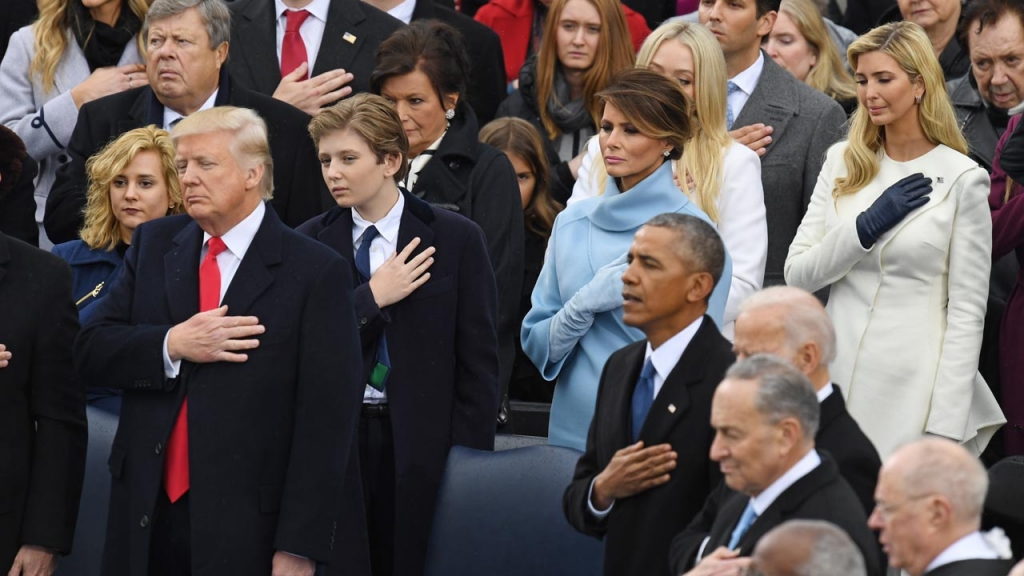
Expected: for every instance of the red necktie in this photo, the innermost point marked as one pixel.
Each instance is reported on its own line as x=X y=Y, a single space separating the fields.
x=293 y=49
x=176 y=463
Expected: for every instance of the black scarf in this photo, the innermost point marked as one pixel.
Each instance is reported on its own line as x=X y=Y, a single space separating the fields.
x=103 y=45
x=569 y=115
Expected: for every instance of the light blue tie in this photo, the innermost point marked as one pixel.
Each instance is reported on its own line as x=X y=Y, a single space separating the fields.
x=729 y=116
x=643 y=397
x=748 y=518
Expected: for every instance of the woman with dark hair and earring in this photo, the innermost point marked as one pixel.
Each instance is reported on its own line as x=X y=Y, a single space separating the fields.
x=75 y=52
x=422 y=70
x=576 y=320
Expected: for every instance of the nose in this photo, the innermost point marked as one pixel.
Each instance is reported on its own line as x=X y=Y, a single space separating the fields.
x=612 y=141
x=577 y=38
x=875 y=520
x=333 y=172
x=999 y=76
x=188 y=177
x=770 y=47
x=131 y=192
x=629 y=276
x=718 y=451
x=403 y=110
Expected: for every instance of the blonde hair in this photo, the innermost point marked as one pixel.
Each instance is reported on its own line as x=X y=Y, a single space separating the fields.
x=51 y=31
x=101 y=228
x=249 y=142
x=908 y=45
x=614 y=54
x=374 y=119
x=828 y=74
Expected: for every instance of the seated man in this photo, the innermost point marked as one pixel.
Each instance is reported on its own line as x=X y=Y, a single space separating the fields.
x=928 y=511
x=765 y=414
x=645 y=471
x=807 y=548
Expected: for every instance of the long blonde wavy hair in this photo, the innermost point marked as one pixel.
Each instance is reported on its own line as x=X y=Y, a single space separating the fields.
x=51 y=31
x=828 y=74
x=908 y=45
x=101 y=228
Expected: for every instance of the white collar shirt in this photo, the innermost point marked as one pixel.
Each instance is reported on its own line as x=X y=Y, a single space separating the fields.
x=802 y=468
x=746 y=81
x=404 y=10
x=417 y=163
x=171 y=116
x=668 y=354
x=825 y=392
x=311 y=31
x=970 y=547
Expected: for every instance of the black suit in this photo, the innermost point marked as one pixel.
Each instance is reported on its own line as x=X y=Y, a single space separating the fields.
x=840 y=436
x=639 y=529
x=973 y=568
x=299 y=190
x=43 y=433
x=443 y=385
x=18 y=206
x=820 y=495
x=268 y=438
x=254 y=62
x=13 y=15
x=486 y=82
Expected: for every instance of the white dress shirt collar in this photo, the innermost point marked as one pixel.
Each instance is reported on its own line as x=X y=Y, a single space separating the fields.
x=802 y=468
x=747 y=79
x=417 y=163
x=240 y=237
x=311 y=31
x=970 y=547
x=404 y=10
x=171 y=115
x=387 y=226
x=825 y=392
x=668 y=354
x=316 y=8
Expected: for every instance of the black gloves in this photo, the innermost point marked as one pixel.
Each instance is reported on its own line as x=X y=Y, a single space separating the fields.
x=891 y=207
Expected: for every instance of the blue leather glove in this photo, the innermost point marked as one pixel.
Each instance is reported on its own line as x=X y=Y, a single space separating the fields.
x=892 y=207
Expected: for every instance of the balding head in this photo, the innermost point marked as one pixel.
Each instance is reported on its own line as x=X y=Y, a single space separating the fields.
x=807 y=548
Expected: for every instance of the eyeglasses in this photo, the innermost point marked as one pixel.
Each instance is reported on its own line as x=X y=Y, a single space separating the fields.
x=886 y=511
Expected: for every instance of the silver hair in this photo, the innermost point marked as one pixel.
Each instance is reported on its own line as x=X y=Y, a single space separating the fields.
x=697 y=240
x=783 y=391
x=941 y=466
x=214 y=13
x=832 y=552
x=805 y=318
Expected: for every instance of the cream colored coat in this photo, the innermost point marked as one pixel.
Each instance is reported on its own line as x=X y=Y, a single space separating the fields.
x=909 y=312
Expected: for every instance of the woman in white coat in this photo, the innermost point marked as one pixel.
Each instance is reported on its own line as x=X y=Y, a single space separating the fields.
x=899 y=227
x=75 y=52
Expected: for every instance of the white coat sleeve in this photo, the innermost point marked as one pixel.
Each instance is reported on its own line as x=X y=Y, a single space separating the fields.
x=743 y=225
x=586 y=182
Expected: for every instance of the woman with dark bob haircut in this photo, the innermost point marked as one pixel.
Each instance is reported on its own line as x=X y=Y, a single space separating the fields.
x=422 y=70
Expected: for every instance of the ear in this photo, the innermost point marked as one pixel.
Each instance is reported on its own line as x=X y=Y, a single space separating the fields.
x=222 y=53
x=392 y=162
x=451 y=100
x=701 y=286
x=790 y=434
x=919 y=87
x=940 y=512
x=253 y=176
x=766 y=23
x=807 y=357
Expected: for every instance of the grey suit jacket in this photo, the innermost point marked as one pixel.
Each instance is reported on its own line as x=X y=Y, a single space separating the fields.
x=45 y=119
x=806 y=123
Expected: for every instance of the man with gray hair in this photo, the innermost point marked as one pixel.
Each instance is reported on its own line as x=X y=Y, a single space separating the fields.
x=765 y=415
x=807 y=548
x=928 y=512
x=186 y=56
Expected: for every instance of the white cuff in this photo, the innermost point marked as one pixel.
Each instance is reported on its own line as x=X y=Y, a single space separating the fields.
x=599 y=514
x=171 y=367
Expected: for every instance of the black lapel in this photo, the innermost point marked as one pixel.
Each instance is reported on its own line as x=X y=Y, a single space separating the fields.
x=5 y=255
x=831 y=408
x=338 y=235
x=729 y=514
x=181 y=273
x=773 y=100
x=257 y=36
x=436 y=182
x=342 y=38
x=416 y=219
x=424 y=10
x=253 y=275
x=144 y=110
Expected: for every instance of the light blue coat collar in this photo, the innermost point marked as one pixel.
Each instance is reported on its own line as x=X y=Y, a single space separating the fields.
x=656 y=194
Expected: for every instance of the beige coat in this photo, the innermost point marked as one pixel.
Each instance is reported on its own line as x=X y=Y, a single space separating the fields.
x=909 y=312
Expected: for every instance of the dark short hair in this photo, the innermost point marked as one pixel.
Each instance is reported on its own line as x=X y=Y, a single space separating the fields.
x=766 y=6
x=783 y=391
x=372 y=119
x=434 y=48
x=12 y=154
x=980 y=13
x=697 y=241
x=655 y=105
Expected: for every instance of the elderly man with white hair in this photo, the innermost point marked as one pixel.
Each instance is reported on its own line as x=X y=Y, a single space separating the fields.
x=928 y=511
x=807 y=548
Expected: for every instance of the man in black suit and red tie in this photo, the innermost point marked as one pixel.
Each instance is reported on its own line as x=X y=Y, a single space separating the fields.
x=234 y=340
x=646 y=471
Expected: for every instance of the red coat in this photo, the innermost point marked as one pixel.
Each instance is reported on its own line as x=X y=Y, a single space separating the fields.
x=512 y=20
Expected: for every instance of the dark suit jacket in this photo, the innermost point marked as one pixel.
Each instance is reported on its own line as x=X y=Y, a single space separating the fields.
x=13 y=15
x=18 y=206
x=820 y=495
x=486 y=82
x=840 y=436
x=443 y=385
x=43 y=432
x=254 y=63
x=806 y=123
x=268 y=438
x=299 y=190
x=973 y=568
x=639 y=529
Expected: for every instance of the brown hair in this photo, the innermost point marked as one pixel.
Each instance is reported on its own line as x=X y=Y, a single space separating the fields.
x=655 y=105
x=519 y=137
x=375 y=121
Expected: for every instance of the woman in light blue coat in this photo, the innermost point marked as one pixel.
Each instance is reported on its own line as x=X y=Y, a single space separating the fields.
x=75 y=52
x=576 y=320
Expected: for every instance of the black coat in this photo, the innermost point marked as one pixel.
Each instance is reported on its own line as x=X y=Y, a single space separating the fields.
x=443 y=385
x=268 y=438
x=299 y=190
x=18 y=206
x=639 y=529
x=855 y=455
x=254 y=63
x=973 y=568
x=43 y=432
x=820 y=495
x=13 y=15
x=478 y=182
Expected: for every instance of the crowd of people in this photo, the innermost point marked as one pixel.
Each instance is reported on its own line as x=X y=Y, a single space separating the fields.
x=761 y=258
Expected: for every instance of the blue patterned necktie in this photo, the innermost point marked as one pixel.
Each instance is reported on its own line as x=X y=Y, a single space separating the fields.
x=746 y=519
x=729 y=116
x=643 y=397
x=379 y=374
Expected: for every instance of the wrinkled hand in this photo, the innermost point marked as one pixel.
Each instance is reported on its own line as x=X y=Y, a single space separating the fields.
x=892 y=207
x=757 y=137
x=400 y=276
x=285 y=564
x=313 y=94
x=106 y=81
x=632 y=470
x=213 y=336
x=721 y=562
x=33 y=561
x=604 y=291
x=5 y=356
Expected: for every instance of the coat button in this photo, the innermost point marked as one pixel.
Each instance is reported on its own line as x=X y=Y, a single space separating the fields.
x=144 y=522
x=62 y=158
x=362 y=321
x=453 y=165
x=159 y=448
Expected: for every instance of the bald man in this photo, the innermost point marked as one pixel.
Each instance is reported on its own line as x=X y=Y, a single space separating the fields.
x=928 y=511
x=807 y=548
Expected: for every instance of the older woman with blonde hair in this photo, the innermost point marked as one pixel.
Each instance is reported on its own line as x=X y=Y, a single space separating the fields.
x=898 y=226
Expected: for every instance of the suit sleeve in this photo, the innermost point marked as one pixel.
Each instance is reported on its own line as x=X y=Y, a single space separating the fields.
x=326 y=412
x=829 y=129
x=475 y=403
x=683 y=551
x=61 y=435
x=63 y=216
x=574 y=501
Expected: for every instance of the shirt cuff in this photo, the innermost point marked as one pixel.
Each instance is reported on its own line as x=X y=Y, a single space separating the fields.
x=599 y=514
x=171 y=367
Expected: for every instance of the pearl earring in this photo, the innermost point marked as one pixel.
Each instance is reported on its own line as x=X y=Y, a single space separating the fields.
x=449 y=113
